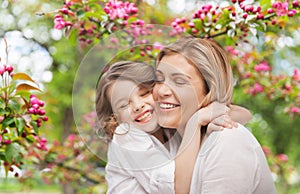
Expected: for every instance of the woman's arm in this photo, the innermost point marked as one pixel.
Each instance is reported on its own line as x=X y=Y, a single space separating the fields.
x=239 y=114
x=191 y=141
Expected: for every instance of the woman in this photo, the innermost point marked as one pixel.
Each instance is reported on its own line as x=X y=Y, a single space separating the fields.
x=138 y=162
x=192 y=73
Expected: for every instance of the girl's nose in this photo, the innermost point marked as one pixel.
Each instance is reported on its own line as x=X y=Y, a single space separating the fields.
x=138 y=106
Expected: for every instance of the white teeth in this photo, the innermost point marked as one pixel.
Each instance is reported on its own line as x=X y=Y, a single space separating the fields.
x=167 y=106
x=146 y=115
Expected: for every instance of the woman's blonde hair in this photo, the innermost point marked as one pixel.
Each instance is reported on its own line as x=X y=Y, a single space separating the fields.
x=140 y=73
x=212 y=62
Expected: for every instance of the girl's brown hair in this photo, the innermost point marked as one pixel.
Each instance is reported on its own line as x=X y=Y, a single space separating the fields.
x=140 y=73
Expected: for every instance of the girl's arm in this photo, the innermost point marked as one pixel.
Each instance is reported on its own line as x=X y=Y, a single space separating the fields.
x=239 y=114
x=191 y=141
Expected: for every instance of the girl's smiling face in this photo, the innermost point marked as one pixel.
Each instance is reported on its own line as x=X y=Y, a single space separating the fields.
x=133 y=105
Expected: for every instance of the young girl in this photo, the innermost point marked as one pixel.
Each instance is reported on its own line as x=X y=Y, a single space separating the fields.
x=139 y=162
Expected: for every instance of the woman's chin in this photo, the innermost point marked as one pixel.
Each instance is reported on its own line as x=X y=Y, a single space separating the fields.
x=168 y=122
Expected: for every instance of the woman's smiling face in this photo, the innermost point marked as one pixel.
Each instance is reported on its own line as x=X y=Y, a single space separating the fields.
x=179 y=91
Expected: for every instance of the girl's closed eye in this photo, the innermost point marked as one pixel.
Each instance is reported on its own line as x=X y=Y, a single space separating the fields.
x=145 y=92
x=123 y=105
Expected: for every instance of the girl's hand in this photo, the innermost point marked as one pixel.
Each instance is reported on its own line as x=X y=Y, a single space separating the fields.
x=221 y=122
x=215 y=115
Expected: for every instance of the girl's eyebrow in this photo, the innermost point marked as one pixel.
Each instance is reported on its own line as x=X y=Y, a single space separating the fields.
x=118 y=101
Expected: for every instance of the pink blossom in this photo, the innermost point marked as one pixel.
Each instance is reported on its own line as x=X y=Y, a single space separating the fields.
x=59 y=22
x=0 y=138
x=288 y=87
x=41 y=143
x=291 y=13
x=247 y=74
x=157 y=45
x=71 y=138
x=282 y=158
x=263 y=66
x=191 y=24
x=114 y=40
x=2 y=70
x=266 y=150
x=257 y=88
x=295 y=109
x=119 y=9
x=281 y=8
x=296 y=75
x=232 y=51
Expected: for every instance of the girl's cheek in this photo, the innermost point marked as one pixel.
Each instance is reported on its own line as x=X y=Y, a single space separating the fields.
x=154 y=92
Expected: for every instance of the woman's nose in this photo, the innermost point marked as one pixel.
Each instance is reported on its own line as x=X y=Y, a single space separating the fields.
x=163 y=90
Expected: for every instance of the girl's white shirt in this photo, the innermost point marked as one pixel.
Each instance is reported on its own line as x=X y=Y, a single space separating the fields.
x=139 y=163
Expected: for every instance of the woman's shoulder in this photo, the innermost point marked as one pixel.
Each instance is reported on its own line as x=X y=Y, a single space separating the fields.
x=238 y=138
x=239 y=135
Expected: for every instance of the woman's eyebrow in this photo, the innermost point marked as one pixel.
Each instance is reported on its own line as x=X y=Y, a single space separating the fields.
x=159 y=71
x=181 y=74
x=175 y=74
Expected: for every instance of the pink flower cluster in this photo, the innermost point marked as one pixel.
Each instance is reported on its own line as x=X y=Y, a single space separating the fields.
x=296 y=75
x=60 y=23
x=282 y=158
x=118 y=9
x=294 y=110
x=282 y=9
x=203 y=11
x=35 y=109
x=177 y=26
x=138 y=29
x=232 y=50
x=263 y=66
x=8 y=69
x=41 y=143
x=257 y=88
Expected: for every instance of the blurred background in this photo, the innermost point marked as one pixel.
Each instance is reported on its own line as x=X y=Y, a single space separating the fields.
x=265 y=84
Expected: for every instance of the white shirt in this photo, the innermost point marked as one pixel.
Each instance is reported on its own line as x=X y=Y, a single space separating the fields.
x=139 y=163
x=231 y=162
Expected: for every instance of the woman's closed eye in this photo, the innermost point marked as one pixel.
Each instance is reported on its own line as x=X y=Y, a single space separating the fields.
x=180 y=81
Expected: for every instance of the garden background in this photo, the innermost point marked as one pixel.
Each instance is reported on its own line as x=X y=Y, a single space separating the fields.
x=44 y=45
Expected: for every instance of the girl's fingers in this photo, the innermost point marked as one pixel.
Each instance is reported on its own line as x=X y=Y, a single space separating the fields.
x=224 y=121
x=212 y=127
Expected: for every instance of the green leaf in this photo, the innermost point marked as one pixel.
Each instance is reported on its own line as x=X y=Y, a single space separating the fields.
x=3 y=111
x=35 y=127
x=265 y=4
x=20 y=124
x=14 y=105
x=198 y=24
x=12 y=151
x=262 y=25
x=7 y=121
